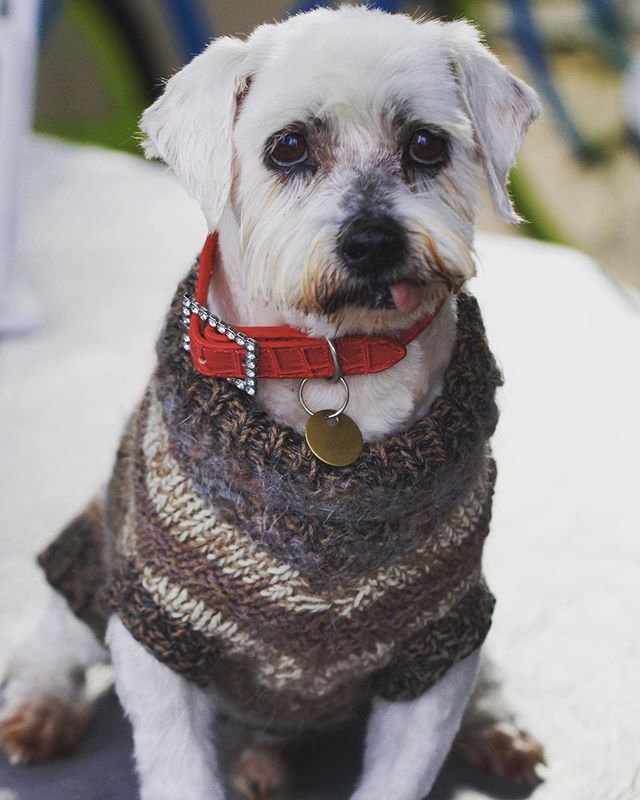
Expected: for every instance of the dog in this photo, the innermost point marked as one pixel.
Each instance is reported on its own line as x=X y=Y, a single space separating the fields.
x=339 y=155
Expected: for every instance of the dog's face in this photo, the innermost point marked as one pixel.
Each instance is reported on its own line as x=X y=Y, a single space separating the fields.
x=349 y=146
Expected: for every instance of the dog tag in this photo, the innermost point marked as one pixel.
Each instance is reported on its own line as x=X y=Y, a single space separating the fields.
x=335 y=440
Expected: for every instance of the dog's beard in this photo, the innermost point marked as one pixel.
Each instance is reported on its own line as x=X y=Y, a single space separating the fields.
x=318 y=285
x=368 y=305
x=373 y=293
x=370 y=294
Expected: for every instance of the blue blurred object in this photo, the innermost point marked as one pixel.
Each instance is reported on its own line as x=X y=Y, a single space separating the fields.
x=49 y=10
x=529 y=40
x=391 y=6
x=608 y=25
x=191 y=24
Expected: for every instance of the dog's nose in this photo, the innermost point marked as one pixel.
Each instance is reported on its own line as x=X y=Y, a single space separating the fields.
x=371 y=244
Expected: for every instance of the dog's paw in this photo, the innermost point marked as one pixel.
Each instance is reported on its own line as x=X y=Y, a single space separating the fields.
x=260 y=773
x=41 y=730
x=507 y=752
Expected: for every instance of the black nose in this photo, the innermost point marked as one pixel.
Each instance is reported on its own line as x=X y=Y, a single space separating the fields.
x=370 y=244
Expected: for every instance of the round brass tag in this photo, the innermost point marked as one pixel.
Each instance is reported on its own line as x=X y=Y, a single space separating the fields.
x=337 y=441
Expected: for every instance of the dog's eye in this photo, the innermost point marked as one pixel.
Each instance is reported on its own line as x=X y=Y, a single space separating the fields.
x=290 y=149
x=427 y=148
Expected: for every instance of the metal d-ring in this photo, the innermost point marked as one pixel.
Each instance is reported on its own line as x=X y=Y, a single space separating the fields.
x=337 y=372
x=333 y=414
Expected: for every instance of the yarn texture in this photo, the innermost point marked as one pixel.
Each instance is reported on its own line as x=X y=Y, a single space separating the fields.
x=294 y=589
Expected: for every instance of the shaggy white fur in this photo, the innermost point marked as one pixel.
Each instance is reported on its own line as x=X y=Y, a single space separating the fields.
x=408 y=742
x=172 y=721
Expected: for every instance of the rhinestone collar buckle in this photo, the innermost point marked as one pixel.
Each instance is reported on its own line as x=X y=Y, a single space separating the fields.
x=190 y=306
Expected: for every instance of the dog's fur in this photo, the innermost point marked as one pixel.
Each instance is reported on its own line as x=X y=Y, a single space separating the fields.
x=356 y=82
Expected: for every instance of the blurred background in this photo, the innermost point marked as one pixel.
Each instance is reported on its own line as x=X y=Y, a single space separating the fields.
x=578 y=180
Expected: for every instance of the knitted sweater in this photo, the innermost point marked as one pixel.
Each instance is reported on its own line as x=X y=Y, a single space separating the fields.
x=292 y=588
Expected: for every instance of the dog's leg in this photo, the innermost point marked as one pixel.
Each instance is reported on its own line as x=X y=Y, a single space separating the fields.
x=492 y=737
x=44 y=710
x=172 y=724
x=407 y=742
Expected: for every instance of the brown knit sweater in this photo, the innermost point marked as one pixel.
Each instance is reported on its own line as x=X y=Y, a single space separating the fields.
x=294 y=589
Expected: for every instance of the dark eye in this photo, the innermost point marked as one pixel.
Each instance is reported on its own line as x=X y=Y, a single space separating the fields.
x=289 y=149
x=427 y=148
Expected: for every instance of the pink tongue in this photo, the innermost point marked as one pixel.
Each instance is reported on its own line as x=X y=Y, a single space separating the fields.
x=406 y=296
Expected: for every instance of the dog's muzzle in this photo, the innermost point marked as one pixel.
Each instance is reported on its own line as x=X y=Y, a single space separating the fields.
x=373 y=249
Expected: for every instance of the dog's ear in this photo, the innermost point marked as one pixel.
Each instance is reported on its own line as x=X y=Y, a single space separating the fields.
x=501 y=108
x=189 y=126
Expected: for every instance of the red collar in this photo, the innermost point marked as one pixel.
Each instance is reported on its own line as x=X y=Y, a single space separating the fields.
x=244 y=354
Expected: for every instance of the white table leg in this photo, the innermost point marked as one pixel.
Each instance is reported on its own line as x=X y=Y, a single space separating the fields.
x=18 y=45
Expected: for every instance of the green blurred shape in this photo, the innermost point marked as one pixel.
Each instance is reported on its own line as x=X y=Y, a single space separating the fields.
x=117 y=69
x=537 y=222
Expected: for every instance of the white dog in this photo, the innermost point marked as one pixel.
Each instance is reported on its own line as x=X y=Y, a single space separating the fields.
x=333 y=142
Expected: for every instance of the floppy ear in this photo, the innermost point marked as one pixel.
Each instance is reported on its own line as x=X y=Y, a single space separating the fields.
x=189 y=126
x=500 y=106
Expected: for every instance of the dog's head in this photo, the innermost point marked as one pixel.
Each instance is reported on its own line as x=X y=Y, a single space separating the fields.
x=348 y=145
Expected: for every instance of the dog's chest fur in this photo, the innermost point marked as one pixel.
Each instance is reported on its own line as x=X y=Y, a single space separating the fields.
x=379 y=404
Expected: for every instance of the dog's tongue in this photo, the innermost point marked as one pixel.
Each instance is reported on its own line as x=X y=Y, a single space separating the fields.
x=406 y=296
